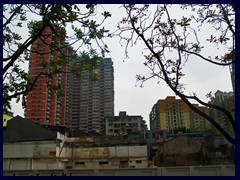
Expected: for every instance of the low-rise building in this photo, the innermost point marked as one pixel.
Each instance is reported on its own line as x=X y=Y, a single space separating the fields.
x=180 y=151
x=124 y=124
x=103 y=152
x=186 y=151
x=29 y=146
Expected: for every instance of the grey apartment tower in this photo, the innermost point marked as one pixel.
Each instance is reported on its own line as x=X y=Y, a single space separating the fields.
x=88 y=101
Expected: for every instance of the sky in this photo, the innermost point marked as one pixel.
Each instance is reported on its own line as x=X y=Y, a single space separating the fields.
x=200 y=77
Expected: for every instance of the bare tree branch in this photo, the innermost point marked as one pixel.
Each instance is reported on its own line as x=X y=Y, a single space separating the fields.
x=165 y=74
x=13 y=14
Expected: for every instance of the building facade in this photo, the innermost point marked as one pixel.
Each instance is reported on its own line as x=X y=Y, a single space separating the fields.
x=173 y=114
x=91 y=100
x=74 y=153
x=227 y=101
x=199 y=123
x=43 y=104
x=169 y=114
x=84 y=102
x=73 y=94
x=220 y=97
x=124 y=124
x=189 y=152
x=97 y=97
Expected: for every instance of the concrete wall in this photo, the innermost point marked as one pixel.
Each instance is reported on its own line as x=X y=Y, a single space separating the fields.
x=105 y=152
x=219 y=170
x=187 y=153
x=32 y=164
x=37 y=155
x=29 y=149
x=106 y=157
x=30 y=155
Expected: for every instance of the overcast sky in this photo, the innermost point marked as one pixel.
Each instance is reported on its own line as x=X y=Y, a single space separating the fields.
x=201 y=77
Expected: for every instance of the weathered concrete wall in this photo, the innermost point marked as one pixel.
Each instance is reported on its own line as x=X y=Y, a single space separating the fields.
x=106 y=157
x=17 y=164
x=30 y=155
x=31 y=149
x=181 y=151
x=191 y=153
x=42 y=155
x=91 y=152
x=104 y=152
x=184 y=145
x=219 y=170
x=30 y=164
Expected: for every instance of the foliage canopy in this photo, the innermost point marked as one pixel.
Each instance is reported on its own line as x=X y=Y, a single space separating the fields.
x=17 y=48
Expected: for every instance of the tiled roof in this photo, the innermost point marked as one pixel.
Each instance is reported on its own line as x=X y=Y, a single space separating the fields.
x=218 y=91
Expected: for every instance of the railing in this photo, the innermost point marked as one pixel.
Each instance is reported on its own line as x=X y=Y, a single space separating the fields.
x=214 y=170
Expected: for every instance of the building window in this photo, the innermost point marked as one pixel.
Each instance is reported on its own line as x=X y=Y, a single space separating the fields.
x=123 y=164
x=103 y=162
x=116 y=125
x=153 y=135
x=52 y=153
x=139 y=161
x=146 y=135
x=80 y=163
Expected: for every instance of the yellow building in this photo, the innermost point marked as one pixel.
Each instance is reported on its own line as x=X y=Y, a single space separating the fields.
x=174 y=114
x=6 y=117
x=198 y=122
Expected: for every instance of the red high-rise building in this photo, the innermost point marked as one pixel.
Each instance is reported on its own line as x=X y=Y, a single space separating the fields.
x=43 y=104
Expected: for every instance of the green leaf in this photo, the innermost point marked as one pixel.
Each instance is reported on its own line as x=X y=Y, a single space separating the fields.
x=79 y=33
x=106 y=14
x=19 y=24
x=88 y=6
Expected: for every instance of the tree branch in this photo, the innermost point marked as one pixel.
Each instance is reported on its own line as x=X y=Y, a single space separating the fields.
x=225 y=15
x=182 y=96
x=25 y=46
x=13 y=14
